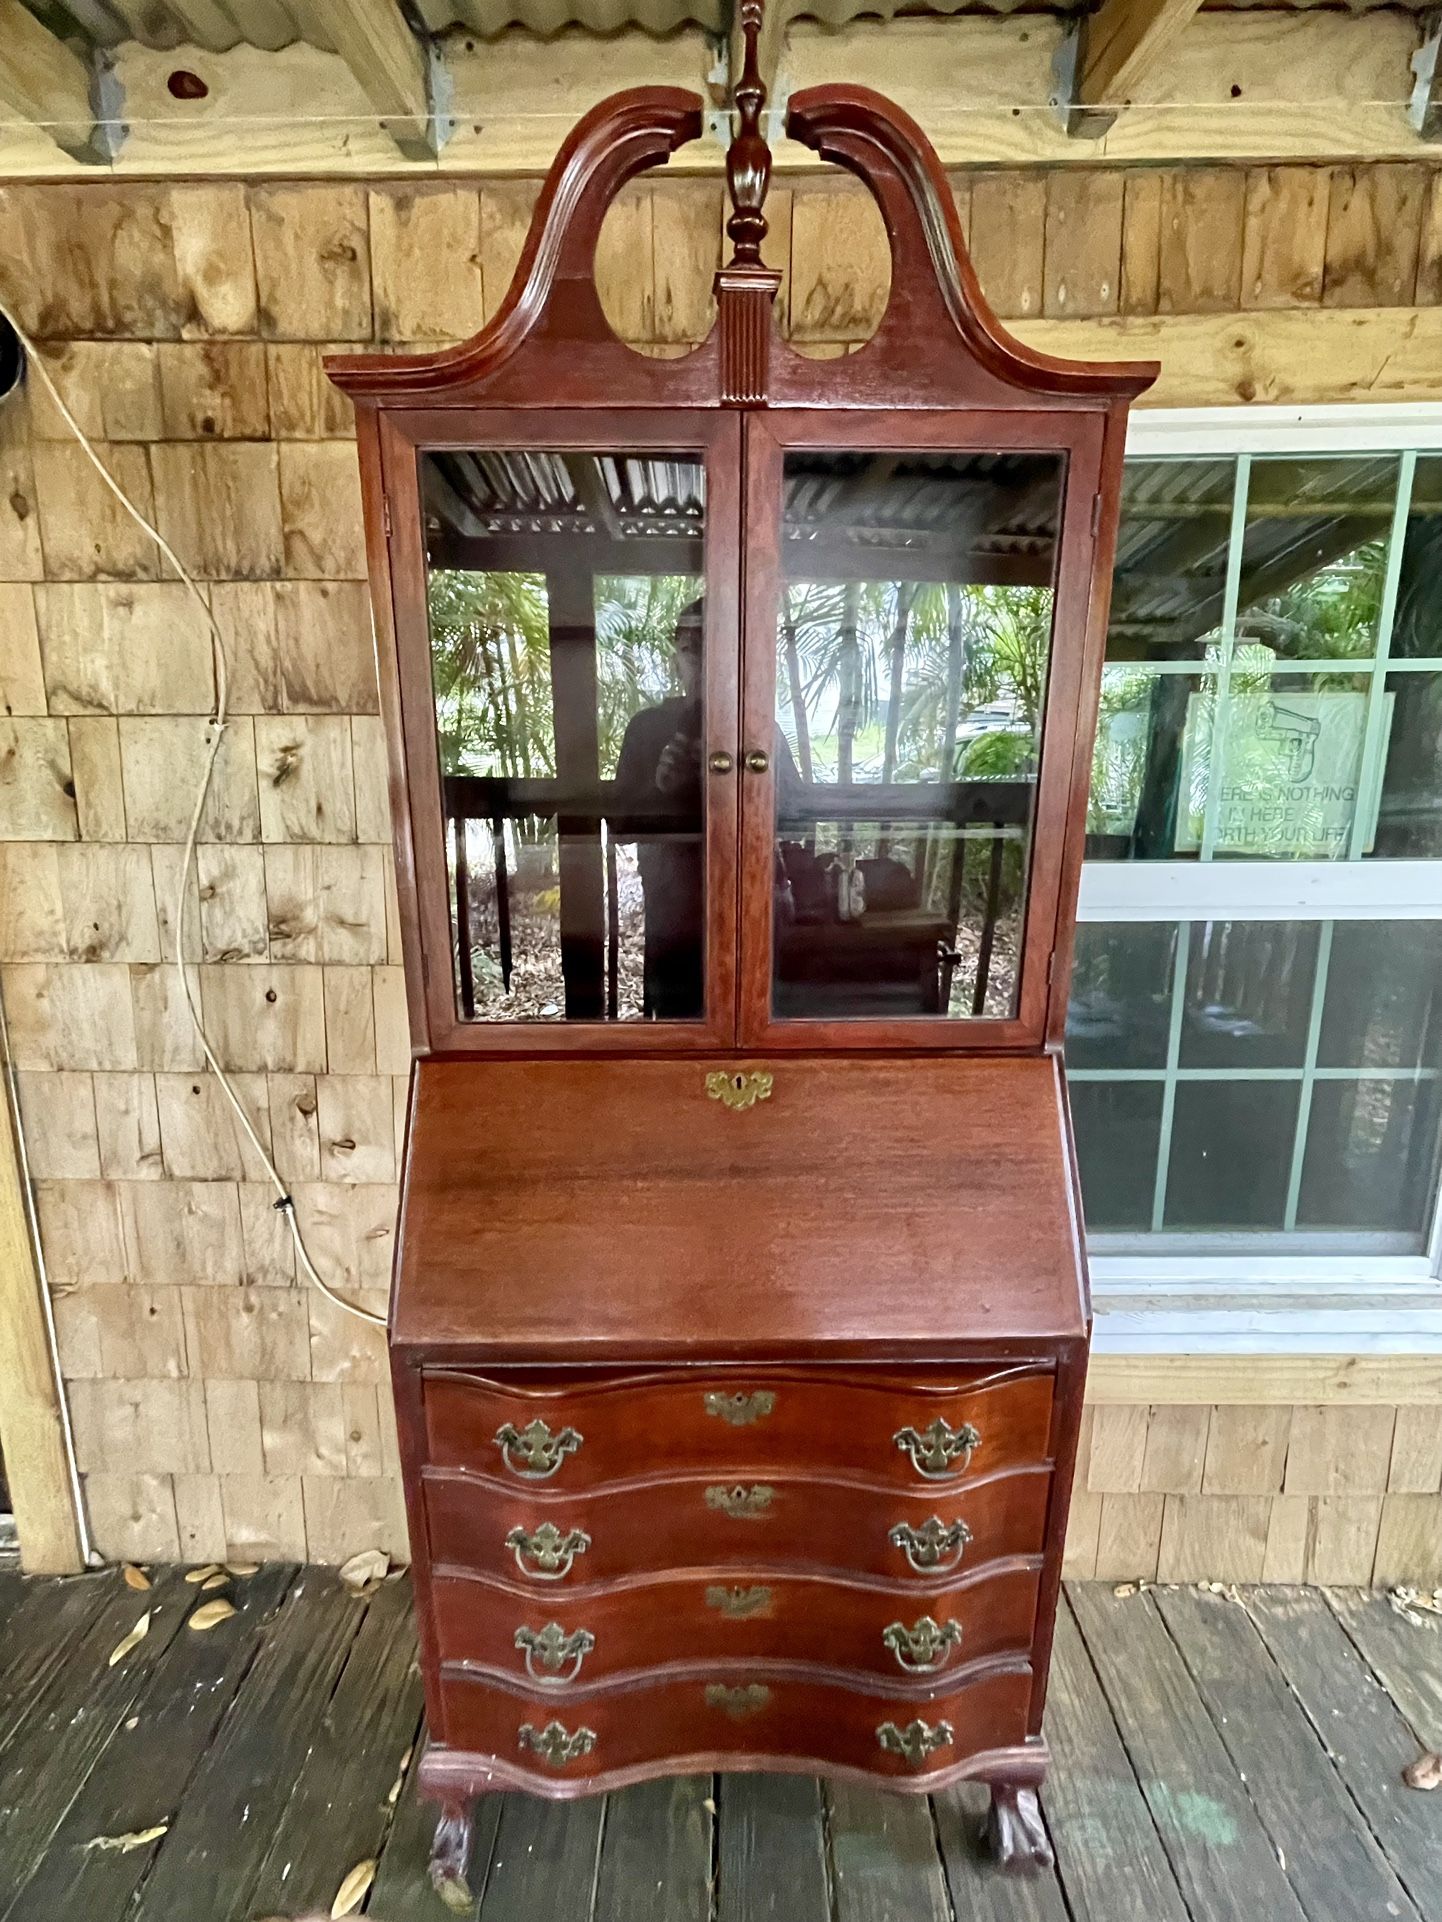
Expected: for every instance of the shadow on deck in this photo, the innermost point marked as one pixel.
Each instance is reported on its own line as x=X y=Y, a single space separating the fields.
x=1216 y=1758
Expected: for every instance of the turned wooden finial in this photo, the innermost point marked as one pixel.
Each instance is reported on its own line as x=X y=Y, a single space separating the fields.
x=748 y=158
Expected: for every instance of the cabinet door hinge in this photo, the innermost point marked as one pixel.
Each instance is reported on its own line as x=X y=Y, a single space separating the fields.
x=386 y=517
x=1096 y=515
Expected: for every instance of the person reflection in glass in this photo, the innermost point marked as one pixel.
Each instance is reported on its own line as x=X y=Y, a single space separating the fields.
x=658 y=782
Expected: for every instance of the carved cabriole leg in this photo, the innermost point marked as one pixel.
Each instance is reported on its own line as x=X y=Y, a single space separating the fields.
x=1015 y=1834
x=451 y=1853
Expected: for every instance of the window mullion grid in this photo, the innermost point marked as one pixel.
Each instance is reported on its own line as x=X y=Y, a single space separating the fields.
x=1169 y=1086
x=1369 y=774
x=1309 y=1072
x=1221 y=699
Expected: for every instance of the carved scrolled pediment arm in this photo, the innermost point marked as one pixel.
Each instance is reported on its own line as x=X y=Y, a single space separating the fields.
x=934 y=286
x=618 y=139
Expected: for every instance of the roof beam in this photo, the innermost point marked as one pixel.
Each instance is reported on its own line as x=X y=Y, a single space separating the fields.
x=49 y=85
x=1117 y=46
x=400 y=75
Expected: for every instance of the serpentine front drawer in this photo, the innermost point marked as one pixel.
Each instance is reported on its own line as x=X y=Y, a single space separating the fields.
x=789 y=1522
x=927 y=1427
x=694 y=1722
x=902 y=1633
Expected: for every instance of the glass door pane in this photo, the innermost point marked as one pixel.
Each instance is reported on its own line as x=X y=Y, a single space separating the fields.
x=912 y=651
x=568 y=674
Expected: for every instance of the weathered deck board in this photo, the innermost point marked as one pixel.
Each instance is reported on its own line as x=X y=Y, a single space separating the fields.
x=1364 y=1732
x=1214 y=1763
x=975 y=1889
x=772 y=1854
x=337 y=1813
x=656 y=1852
x=208 y=1863
x=1224 y=1860
x=545 y=1860
x=1330 y=1855
x=1109 y=1854
x=137 y=1783
x=1406 y=1657
x=40 y=1634
x=884 y=1861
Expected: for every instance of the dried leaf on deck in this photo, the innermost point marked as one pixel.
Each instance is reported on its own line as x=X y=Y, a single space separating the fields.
x=202 y=1574
x=399 y=1783
x=209 y=1614
x=242 y=1570
x=135 y=1839
x=133 y=1640
x=217 y=1580
x=352 y=1892
x=365 y=1571
x=135 y=1578
x=1425 y=1772
x=1124 y=1590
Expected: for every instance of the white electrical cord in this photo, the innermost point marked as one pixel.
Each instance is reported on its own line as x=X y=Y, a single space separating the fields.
x=284 y=1204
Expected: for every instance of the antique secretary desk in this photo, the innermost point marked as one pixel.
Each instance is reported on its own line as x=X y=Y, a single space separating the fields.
x=739 y=709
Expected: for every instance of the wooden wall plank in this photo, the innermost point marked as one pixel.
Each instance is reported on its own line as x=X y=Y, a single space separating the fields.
x=1200 y=245
x=1374 y=228
x=1083 y=244
x=1007 y=241
x=1284 y=239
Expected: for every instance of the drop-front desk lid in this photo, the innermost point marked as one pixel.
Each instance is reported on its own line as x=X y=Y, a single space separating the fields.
x=606 y=1210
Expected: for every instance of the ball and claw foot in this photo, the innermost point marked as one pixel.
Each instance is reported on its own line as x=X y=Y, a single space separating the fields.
x=450 y=1856
x=1015 y=1834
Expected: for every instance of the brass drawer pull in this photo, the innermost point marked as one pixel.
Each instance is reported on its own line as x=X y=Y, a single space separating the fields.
x=916 y=1741
x=736 y=1090
x=550 y=1550
x=533 y=1452
x=738 y=1703
x=921 y=1649
x=740 y=1409
x=555 y=1744
x=739 y=1604
x=927 y=1547
x=741 y=1504
x=935 y=1451
x=548 y=1650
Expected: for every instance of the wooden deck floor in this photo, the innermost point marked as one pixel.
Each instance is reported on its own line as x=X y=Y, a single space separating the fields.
x=1217 y=1760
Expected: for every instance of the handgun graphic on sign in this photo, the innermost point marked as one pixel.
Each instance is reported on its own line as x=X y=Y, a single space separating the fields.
x=1295 y=735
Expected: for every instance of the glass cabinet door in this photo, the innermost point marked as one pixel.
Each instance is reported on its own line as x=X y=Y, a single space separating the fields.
x=906 y=679
x=573 y=677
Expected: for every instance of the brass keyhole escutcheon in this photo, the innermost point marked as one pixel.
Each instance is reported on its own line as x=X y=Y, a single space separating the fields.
x=738 y=1090
x=721 y=762
x=758 y=760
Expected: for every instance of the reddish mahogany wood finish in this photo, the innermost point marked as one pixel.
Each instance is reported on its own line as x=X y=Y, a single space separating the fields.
x=761 y=1421
x=722 y=1617
x=592 y=1243
x=609 y=1211
x=802 y=1523
x=810 y=1722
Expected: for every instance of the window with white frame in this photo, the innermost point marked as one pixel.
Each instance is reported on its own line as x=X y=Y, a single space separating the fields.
x=1255 y=1041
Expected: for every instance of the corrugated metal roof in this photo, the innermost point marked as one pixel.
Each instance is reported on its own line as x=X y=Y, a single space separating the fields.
x=218 y=25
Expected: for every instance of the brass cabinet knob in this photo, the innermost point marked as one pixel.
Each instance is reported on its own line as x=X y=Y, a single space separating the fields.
x=721 y=762
x=758 y=760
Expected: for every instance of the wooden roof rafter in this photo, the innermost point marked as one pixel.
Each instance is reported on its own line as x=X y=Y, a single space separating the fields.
x=1114 y=49
x=43 y=80
x=397 y=68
